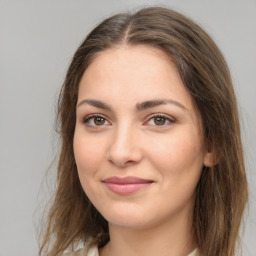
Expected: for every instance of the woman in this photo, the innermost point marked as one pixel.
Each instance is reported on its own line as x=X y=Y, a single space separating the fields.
x=151 y=160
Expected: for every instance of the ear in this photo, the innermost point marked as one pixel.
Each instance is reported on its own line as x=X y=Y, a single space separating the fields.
x=210 y=158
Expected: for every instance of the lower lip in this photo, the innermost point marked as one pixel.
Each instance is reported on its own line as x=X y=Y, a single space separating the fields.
x=126 y=189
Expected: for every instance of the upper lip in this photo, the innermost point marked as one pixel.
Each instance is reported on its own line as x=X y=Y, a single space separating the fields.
x=126 y=180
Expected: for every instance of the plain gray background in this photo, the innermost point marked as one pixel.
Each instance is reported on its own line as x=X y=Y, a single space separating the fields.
x=37 y=41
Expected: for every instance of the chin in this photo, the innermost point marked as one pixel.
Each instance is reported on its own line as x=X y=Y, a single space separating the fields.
x=131 y=218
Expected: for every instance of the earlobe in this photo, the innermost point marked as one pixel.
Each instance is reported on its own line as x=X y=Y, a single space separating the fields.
x=209 y=159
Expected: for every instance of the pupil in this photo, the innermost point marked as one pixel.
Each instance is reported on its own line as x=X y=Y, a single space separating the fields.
x=159 y=120
x=99 y=120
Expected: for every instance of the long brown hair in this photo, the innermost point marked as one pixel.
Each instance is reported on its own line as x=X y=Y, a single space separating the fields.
x=221 y=194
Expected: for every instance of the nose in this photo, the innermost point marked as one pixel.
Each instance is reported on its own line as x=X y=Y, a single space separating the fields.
x=124 y=149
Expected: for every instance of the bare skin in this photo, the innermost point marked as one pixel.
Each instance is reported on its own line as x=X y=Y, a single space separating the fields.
x=136 y=119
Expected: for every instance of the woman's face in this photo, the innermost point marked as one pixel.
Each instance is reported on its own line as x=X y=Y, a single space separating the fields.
x=138 y=141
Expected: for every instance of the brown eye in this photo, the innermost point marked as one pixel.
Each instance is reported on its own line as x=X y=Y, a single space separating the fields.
x=99 y=120
x=96 y=120
x=159 y=120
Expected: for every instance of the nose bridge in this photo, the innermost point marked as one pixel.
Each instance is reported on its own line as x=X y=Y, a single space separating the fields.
x=124 y=148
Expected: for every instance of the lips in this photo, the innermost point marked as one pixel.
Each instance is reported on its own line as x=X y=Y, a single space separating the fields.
x=126 y=185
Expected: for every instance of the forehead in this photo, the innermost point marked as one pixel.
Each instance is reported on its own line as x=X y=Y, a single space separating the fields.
x=137 y=53
x=132 y=68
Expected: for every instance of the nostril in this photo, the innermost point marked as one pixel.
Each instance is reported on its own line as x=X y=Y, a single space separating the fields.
x=124 y=158
x=121 y=161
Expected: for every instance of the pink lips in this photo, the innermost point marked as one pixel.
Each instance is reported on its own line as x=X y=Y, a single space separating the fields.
x=126 y=185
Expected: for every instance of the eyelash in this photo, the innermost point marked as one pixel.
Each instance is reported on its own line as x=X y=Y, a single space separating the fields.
x=165 y=117
x=93 y=117
x=89 y=118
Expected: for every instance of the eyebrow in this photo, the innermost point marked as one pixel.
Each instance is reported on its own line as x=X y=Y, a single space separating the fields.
x=139 y=106
x=153 y=103
x=95 y=103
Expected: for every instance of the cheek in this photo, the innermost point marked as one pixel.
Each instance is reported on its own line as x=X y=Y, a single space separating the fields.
x=179 y=156
x=88 y=157
x=88 y=154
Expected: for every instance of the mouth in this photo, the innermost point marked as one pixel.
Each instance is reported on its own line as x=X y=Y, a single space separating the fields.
x=126 y=185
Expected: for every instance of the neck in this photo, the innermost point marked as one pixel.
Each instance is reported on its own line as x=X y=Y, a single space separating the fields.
x=170 y=238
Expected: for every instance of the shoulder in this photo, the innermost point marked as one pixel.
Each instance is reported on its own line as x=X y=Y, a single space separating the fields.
x=85 y=251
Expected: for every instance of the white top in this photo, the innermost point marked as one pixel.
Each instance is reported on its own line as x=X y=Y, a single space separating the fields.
x=93 y=251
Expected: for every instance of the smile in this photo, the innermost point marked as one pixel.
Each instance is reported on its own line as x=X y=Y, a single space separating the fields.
x=126 y=185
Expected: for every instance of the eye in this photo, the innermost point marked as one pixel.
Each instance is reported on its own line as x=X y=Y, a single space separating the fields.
x=96 y=120
x=160 y=120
